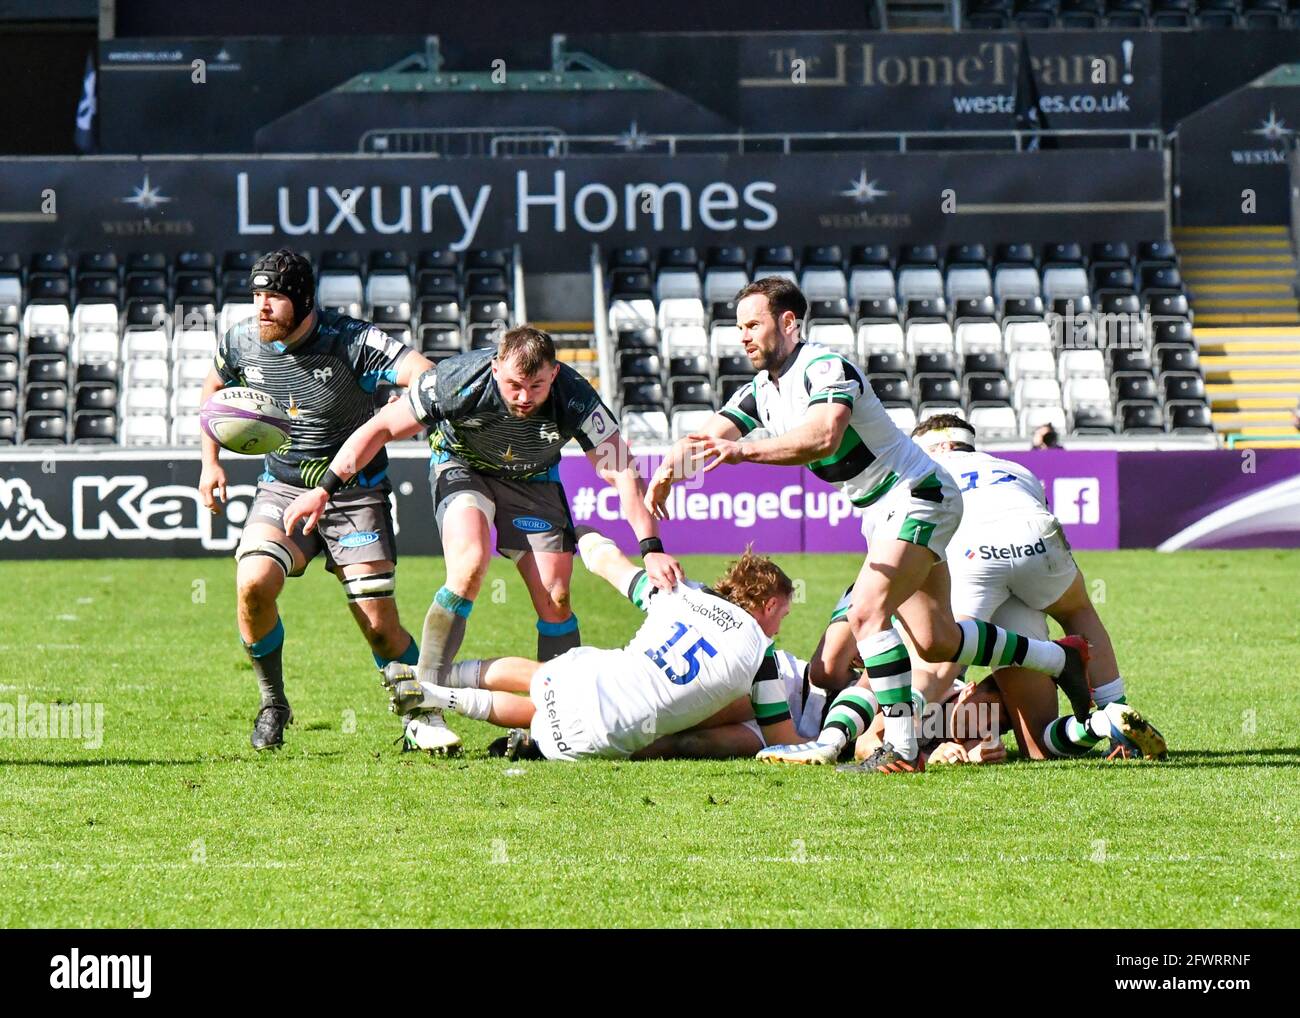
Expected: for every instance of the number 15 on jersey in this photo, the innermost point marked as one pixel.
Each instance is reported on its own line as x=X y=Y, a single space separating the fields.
x=689 y=655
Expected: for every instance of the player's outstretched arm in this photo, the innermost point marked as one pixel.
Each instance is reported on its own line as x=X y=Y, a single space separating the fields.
x=392 y=422
x=616 y=465
x=816 y=438
x=682 y=462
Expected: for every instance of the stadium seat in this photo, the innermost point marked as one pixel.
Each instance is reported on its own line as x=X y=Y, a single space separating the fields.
x=1017 y=308
x=486 y=283
x=96 y=396
x=45 y=429
x=185 y=429
x=90 y=427
x=1130 y=359
x=892 y=390
x=937 y=390
x=678 y=284
x=886 y=363
x=1189 y=418
x=722 y=284
x=638 y=364
x=969 y=282
x=729 y=385
x=879 y=337
x=1078 y=363
x=994 y=422
x=734 y=364
x=1134 y=387
x=727 y=256
x=47 y=370
x=1176 y=358
x=968 y=254
x=643 y=393
x=904 y=417
x=977 y=337
x=920 y=282
x=870 y=254
x=986 y=390
x=680 y=311
x=1182 y=386
x=149 y=430
x=54 y=344
x=98 y=371
x=690 y=366
x=823 y=283
x=8 y=429
x=836 y=336
x=926 y=336
x=645 y=427
x=45 y=398
x=871 y=283
x=1064 y=281
x=639 y=339
x=1034 y=417
x=776 y=255
x=1016 y=281
x=925 y=308
x=936 y=362
x=438 y=283
x=1035 y=390
x=987 y=362
x=1027 y=335
x=620 y=257
x=1141 y=418
x=692 y=392
x=687 y=422
x=687 y=339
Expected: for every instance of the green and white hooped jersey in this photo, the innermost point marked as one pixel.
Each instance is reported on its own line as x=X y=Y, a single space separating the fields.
x=874 y=455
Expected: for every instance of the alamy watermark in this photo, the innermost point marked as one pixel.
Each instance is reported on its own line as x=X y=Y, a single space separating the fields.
x=80 y=722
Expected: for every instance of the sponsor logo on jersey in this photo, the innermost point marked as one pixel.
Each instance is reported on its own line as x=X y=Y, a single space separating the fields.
x=548 y=434
x=531 y=524
x=457 y=474
x=254 y=374
x=323 y=374
x=273 y=511
x=716 y=614
x=358 y=539
x=553 y=718
x=1010 y=551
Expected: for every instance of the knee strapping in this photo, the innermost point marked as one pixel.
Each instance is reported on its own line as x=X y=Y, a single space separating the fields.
x=274 y=550
x=370 y=586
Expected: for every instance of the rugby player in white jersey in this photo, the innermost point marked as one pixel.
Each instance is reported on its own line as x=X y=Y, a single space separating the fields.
x=698 y=650
x=1014 y=568
x=820 y=412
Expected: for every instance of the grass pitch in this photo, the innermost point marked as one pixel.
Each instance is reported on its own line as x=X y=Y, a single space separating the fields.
x=174 y=821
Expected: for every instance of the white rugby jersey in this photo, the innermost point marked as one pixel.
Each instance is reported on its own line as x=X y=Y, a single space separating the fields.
x=993 y=489
x=874 y=454
x=695 y=653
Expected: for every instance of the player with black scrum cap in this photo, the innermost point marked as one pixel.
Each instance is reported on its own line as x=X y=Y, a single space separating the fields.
x=323 y=368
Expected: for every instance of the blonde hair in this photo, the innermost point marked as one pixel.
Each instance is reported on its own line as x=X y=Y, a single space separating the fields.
x=751 y=580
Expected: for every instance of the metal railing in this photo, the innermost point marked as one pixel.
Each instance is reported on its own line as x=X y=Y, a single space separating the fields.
x=552 y=142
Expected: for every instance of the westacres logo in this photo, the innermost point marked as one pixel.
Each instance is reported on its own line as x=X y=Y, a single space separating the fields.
x=1272 y=129
x=542 y=201
x=148 y=199
x=863 y=190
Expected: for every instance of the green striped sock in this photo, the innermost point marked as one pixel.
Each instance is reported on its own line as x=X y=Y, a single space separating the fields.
x=849 y=716
x=1067 y=737
x=889 y=670
x=990 y=646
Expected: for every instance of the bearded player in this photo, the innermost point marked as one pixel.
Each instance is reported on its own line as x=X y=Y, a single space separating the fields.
x=698 y=650
x=821 y=413
x=500 y=418
x=323 y=368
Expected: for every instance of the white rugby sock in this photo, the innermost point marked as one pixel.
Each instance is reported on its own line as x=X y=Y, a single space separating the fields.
x=1109 y=692
x=472 y=703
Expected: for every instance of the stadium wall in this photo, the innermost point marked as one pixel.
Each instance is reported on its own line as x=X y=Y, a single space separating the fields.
x=131 y=504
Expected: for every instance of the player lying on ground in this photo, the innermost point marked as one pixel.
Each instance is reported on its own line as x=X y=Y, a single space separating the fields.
x=698 y=650
x=821 y=413
x=1014 y=569
x=500 y=418
x=324 y=368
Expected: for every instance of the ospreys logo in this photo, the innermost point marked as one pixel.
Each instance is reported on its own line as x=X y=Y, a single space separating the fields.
x=323 y=375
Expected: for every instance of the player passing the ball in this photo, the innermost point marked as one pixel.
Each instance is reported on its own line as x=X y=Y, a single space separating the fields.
x=323 y=368
x=698 y=650
x=500 y=418
x=820 y=412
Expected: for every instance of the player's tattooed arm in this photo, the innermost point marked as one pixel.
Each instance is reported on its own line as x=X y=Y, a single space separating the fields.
x=816 y=438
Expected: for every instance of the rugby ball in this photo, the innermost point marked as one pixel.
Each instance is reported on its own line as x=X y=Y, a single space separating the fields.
x=245 y=421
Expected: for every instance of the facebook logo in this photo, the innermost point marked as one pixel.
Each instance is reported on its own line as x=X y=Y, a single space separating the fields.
x=1077 y=499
